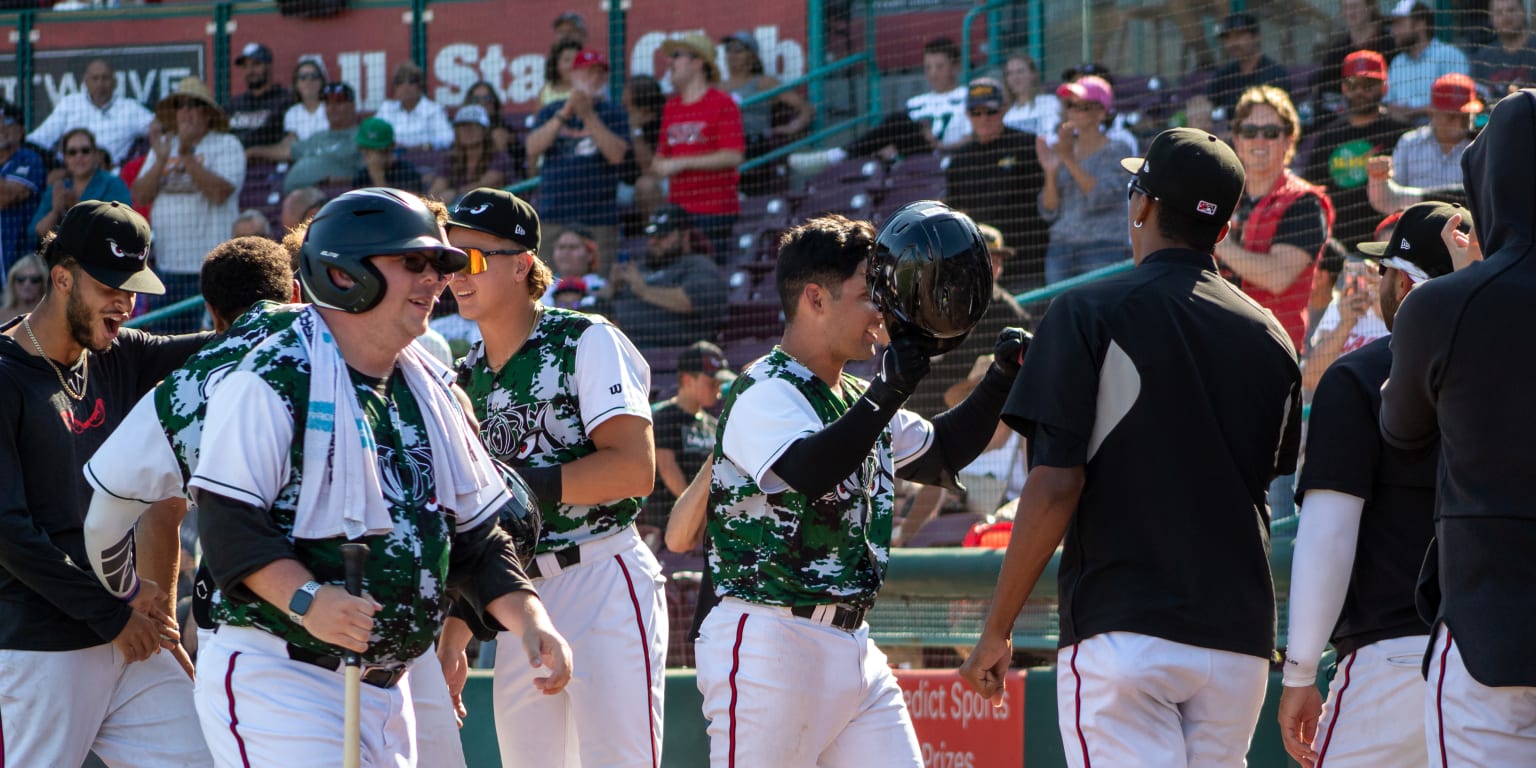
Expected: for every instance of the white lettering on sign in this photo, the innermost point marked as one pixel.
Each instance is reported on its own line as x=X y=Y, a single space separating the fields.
x=460 y=65
x=942 y=757
x=933 y=700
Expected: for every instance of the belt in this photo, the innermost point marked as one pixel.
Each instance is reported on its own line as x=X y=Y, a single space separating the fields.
x=841 y=615
x=376 y=675
x=564 y=557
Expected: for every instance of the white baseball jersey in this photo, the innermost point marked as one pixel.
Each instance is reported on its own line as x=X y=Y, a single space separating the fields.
x=946 y=111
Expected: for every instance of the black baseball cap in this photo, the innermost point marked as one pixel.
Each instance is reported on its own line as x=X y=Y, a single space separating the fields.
x=338 y=88
x=10 y=114
x=666 y=219
x=704 y=357
x=1238 y=22
x=1192 y=173
x=1415 y=246
x=110 y=241
x=253 y=52
x=498 y=213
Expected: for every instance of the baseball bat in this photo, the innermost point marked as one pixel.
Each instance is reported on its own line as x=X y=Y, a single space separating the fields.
x=354 y=556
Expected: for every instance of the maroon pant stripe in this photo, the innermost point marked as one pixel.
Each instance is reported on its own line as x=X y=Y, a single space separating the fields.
x=2 y=740
x=1338 y=711
x=234 y=722
x=741 y=627
x=645 y=653
x=1440 y=697
x=1082 y=740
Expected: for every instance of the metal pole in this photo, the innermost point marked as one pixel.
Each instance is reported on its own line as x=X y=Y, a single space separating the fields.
x=995 y=37
x=873 y=67
x=1086 y=51
x=24 y=64
x=1037 y=32
x=816 y=55
x=221 y=16
x=617 y=44
x=419 y=17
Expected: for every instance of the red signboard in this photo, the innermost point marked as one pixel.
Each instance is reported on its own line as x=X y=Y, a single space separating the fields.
x=959 y=729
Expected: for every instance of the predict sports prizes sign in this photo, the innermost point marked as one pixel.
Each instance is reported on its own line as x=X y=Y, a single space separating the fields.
x=958 y=728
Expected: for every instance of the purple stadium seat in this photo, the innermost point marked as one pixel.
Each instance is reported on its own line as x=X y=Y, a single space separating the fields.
x=910 y=191
x=766 y=211
x=853 y=199
x=742 y=352
x=430 y=163
x=867 y=170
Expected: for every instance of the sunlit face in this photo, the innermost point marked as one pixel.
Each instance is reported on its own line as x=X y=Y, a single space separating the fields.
x=685 y=67
x=1363 y=93
x=1262 y=156
x=192 y=118
x=704 y=388
x=27 y=286
x=100 y=81
x=986 y=122
x=502 y=284
x=81 y=156
x=1020 y=77
x=308 y=80
x=408 y=88
x=257 y=72
x=409 y=297
x=1084 y=114
x=1450 y=127
x=468 y=134
x=853 y=323
x=1508 y=16
x=942 y=72
x=483 y=96
x=95 y=312
x=571 y=258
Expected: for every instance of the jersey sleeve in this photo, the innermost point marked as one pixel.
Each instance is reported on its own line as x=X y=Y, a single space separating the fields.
x=1343 y=442
x=244 y=453
x=136 y=462
x=911 y=436
x=1408 y=416
x=763 y=422
x=1058 y=386
x=612 y=378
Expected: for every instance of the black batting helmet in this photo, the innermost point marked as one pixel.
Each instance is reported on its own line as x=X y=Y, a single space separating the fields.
x=520 y=516
x=930 y=274
x=364 y=223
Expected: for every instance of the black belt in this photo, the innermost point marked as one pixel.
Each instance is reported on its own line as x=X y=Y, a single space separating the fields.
x=378 y=676
x=564 y=557
x=845 y=617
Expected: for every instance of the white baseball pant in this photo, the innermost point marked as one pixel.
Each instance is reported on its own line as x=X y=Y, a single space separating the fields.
x=437 y=725
x=57 y=706
x=787 y=692
x=260 y=708
x=1129 y=699
x=1467 y=723
x=611 y=609
x=1374 y=713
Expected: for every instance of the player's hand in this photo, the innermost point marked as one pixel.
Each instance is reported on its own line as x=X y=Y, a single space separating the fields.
x=179 y=653
x=150 y=597
x=546 y=649
x=987 y=667
x=1378 y=166
x=903 y=365
x=341 y=619
x=456 y=672
x=1300 y=709
x=1008 y=354
x=142 y=637
x=1463 y=246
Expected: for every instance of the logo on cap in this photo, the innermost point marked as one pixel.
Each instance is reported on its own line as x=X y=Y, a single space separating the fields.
x=1206 y=208
x=519 y=230
x=1405 y=246
x=118 y=251
x=479 y=209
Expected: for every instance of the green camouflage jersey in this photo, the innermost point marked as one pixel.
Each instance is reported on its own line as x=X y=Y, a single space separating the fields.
x=408 y=567
x=773 y=545
x=574 y=372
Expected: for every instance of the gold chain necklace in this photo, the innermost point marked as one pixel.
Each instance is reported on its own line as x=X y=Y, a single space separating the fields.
x=84 y=372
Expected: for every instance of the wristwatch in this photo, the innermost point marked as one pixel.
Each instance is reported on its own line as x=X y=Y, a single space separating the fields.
x=302 y=599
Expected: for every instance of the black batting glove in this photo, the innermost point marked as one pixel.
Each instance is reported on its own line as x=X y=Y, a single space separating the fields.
x=1008 y=355
x=903 y=364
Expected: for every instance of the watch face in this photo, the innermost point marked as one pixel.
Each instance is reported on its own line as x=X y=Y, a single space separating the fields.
x=302 y=598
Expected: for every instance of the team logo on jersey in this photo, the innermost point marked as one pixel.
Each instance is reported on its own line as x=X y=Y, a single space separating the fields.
x=516 y=431
x=117 y=250
x=97 y=418
x=403 y=477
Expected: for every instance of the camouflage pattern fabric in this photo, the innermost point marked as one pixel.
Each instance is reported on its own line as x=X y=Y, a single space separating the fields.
x=787 y=549
x=530 y=416
x=408 y=567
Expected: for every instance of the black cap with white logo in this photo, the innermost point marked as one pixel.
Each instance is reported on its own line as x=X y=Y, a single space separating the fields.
x=1192 y=173
x=110 y=241
x=499 y=213
x=1415 y=246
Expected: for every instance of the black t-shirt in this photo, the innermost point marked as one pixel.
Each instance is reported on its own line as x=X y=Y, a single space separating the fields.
x=997 y=183
x=1345 y=453
x=1303 y=224
x=691 y=438
x=1181 y=398
x=951 y=367
x=1338 y=163
x=258 y=120
x=1230 y=81
x=49 y=598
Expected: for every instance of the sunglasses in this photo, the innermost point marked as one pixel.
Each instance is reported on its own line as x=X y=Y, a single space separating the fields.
x=482 y=98
x=29 y=279
x=1270 y=132
x=477 y=258
x=1082 y=106
x=308 y=76
x=1132 y=189
x=983 y=112
x=681 y=54
x=78 y=151
x=417 y=263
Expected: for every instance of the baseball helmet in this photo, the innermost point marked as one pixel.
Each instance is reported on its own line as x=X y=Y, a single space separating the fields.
x=364 y=223
x=930 y=275
x=520 y=516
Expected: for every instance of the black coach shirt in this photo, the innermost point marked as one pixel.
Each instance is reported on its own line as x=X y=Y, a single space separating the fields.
x=1180 y=397
x=691 y=439
x=1345 y=453
x=49 y=598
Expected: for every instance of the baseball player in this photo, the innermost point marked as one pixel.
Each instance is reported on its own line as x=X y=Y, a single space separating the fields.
x=1367 y=519
x=803 y=488
x=564 y=397
x=80 y=668
x=1158 y=405
x=1461 y=375
x=341 y=405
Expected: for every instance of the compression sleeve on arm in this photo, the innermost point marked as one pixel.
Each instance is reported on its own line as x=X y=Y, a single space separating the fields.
x=1320 y=569
x=109 y=541
x=483 y=566
x=961 y=433
x=238 y=540
x=816 y=463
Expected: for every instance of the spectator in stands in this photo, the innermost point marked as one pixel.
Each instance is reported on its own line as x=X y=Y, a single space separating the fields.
x=1427 y=161
x=331 y=155
x=251 y=223
x=307 y=116
x=679 y=298
x=300 y=205
x=933 y=120
x=483 y=95
x=763 y=132
x=684 y=428
x=1421 y=61
x=1247 y=66
x=643 y=101
x=256 y=116
x=21 y=179
x=1352 y=319
x=571 y=26
x=1282 y=222
x=582 y=142
x=1509 y=62
x=576 y=258
x=382 y=165
x=1034 y=111
x=85 y=180
x=702 y=143
x=419 y=122
x=23 y=287
x=557 y=71
x=1364 y=30
x=1082 y=196
x=1117 y=130
x=191 y=181
x=996 y=177
x=1344 y=147
x=115 y=122
x=473 y=160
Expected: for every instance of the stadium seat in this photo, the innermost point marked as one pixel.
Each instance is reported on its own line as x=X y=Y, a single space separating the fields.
x=852 y=199
x=430 y=163
x=868 y=170
x=742 y=352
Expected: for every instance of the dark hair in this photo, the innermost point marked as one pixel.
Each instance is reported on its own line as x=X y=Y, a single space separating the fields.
x=71 y=133
x=645 y=92
x=495 y=109
x=53 y=257
x=319 y=70
x=1421 y=12
x=1192 y=232
x=459 y=172
x=552 y=64
x=943 y=45
x=826 y=250
x=408 y=69
x=242 y=271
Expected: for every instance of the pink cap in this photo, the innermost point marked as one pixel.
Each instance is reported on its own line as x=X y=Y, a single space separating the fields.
x=1089 y=88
